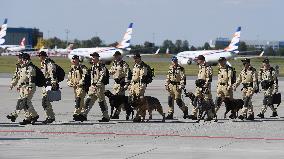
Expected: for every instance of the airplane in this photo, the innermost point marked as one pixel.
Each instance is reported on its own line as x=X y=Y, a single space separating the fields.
x=3 y=29
x=68 y=49
x=16 y=48
x=212 y=56
x=106 y=53
x=57 y=52
x=11 y=48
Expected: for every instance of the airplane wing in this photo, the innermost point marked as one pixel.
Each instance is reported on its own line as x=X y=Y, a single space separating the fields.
x=156 y=53
x=130 y=55
x=250 y=57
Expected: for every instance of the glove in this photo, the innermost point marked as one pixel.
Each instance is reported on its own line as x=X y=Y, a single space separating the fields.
x=275 y=90
x=181 y=87
x=30 y=90
x=54 y=86
x=167 y=87
x=229 y=87
x=81 y=83
x=206 y=84
x=126 y=87
x=234 y=87
x=11 y=87
x=69 y=84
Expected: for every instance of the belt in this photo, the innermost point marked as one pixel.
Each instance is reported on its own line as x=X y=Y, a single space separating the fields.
x=118 y=80
x=136 y=82
x=223 y=84
x=174 y=83
x=246 y=85
x=25 y=83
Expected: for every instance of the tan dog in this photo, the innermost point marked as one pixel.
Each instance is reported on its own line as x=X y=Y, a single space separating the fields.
x=149 y=104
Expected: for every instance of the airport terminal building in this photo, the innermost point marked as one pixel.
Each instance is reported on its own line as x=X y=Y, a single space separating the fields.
x=15 y=35
x=223 y=42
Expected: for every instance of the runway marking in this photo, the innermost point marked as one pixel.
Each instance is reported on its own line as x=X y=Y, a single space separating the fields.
x=17 y=131
x=142 y=134
x=19 y=138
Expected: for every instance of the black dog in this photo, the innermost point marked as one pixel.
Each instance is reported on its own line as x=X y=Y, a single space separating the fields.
x=116 y=101
x=203 y=110
x=234 y=106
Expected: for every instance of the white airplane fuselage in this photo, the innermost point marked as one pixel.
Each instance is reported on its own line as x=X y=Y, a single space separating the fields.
x=15 y=49
x=106 y=53
x=211 y=56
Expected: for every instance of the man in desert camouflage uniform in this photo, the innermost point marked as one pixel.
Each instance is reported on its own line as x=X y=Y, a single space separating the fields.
x=224 y=84
x=205 y=74
x=76 y=80
x=24 y=79
x=267 y=76
x=97 y=88
x=48 y=69
x=175 y=83
x=247 y=77
x=121 y=75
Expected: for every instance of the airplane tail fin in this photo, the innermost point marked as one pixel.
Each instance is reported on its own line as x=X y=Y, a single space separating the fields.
x=235 y=42
x=22 y=44
x=70 y=47
x=125 y=43
x=3 y=29
x=157 y=52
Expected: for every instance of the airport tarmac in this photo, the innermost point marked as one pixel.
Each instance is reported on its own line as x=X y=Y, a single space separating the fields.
x=178 y=138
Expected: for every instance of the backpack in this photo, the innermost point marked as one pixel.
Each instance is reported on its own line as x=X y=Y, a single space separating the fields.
x=105 y=79
x=59 y=73
x=148 y=78
x=234 y=74
x=39 y=78
x=87 y=79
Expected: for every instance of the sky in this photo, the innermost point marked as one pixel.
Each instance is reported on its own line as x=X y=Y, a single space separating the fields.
x=197 y=21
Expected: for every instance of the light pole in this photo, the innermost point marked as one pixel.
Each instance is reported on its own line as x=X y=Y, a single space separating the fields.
x=67 y=32
x=153 y=36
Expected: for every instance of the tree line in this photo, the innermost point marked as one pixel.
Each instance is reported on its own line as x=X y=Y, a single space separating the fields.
x=169 y=46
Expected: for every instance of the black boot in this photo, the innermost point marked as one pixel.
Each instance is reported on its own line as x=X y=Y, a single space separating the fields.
x=208 y=119
x=185 y=114
x=77 y=117
x=164 y=118
x=48 y=121
x=260 y=115
x=274 y=114
x=137 y=119
x=233 y=115
x=250 y=117
x=82 y=118
x=11 y=117
x=170 y=116
x=115 y=116
x=241 y=117
x=104 y=119
x=25 y=122
x=34 y=119
x=192 y=117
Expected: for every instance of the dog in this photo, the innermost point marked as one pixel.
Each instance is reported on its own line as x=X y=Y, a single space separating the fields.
x=202 y=109
x=116 y=101
x=147 y=103
x=234 y=106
